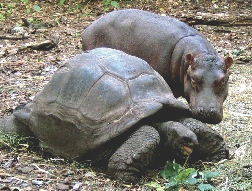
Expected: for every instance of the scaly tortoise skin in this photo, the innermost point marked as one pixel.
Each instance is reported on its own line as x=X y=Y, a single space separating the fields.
x=103 y=105
x=211 y=145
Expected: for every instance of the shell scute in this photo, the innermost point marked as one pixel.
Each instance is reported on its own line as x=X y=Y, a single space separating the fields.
x=108 y=99
x=80 y=81
x=148 y=87
x=127 y=69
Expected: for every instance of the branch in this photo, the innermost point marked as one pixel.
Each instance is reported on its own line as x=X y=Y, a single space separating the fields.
x=220 y=19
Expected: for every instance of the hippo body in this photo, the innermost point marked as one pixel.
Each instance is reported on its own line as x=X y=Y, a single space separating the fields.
x=181 y=54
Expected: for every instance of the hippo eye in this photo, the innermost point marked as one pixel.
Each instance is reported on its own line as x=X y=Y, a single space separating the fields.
x=196 y=83
x=193 y=82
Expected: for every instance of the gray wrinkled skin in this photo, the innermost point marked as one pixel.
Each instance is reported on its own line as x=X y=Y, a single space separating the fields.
x=99 y=106
x=182 y=55
x=212 y=146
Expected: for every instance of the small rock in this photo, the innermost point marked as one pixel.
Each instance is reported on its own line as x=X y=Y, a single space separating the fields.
x=90 y=174
x=9 y=163
x=68 y=172
x=215 y=6
x=62 y=186
x=25 y=184
x=18 y=30
x=25 y=169
x=51 y=69
x=28 y=188
x=8 y=180
x=77 y=186
x=37 y=182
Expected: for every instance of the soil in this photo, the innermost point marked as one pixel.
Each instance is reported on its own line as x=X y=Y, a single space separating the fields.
x=25 y=70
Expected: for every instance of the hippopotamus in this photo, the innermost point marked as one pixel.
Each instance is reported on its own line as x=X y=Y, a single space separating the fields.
x=181 y=54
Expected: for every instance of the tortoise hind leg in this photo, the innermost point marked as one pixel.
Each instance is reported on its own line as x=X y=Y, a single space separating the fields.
x=131 y=158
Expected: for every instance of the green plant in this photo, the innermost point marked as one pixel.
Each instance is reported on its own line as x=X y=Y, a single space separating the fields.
x=2 y=17
x=7 y=10
x=178 y=177
x=25 y=1
x=34 y=21
x=238 y=52
x=78 y=6
x=15 y=142
x=11 y=141
x=108 y=3
x=61 y=2
x=29 y=6
x=36 y=8
x=156 y=186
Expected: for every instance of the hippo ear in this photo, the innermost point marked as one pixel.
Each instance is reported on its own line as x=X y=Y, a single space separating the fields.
x=228 y=62
x=190 y=60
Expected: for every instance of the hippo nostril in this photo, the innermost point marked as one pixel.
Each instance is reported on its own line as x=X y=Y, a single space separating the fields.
x=200 y=109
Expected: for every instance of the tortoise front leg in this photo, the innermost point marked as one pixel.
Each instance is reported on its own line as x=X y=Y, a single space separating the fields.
x=134 y=155
x=176 y=136
x=211 y=147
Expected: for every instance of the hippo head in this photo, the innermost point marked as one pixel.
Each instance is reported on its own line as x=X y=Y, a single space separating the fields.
x=206 y=86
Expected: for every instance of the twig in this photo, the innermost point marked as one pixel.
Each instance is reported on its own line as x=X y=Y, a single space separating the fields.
x=226 y=184
x=239 y=148
x=186 y=160
x=240 y=114
x=40 y=169
x=13 y=37
x=222 y=161
x=3 y=142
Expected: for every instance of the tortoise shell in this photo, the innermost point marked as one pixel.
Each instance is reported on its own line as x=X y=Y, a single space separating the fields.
x=94 y=97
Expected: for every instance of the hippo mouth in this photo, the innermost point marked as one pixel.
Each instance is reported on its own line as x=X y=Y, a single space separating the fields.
x=208 y=117
x=207 y=109
x=212 y=115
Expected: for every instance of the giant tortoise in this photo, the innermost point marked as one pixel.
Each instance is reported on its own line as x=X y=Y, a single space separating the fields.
x=112 y=108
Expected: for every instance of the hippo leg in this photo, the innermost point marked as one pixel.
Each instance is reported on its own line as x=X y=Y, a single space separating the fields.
x=211 y=147
x=134 y=155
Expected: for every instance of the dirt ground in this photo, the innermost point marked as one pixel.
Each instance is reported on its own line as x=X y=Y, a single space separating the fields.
x=24 y=71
